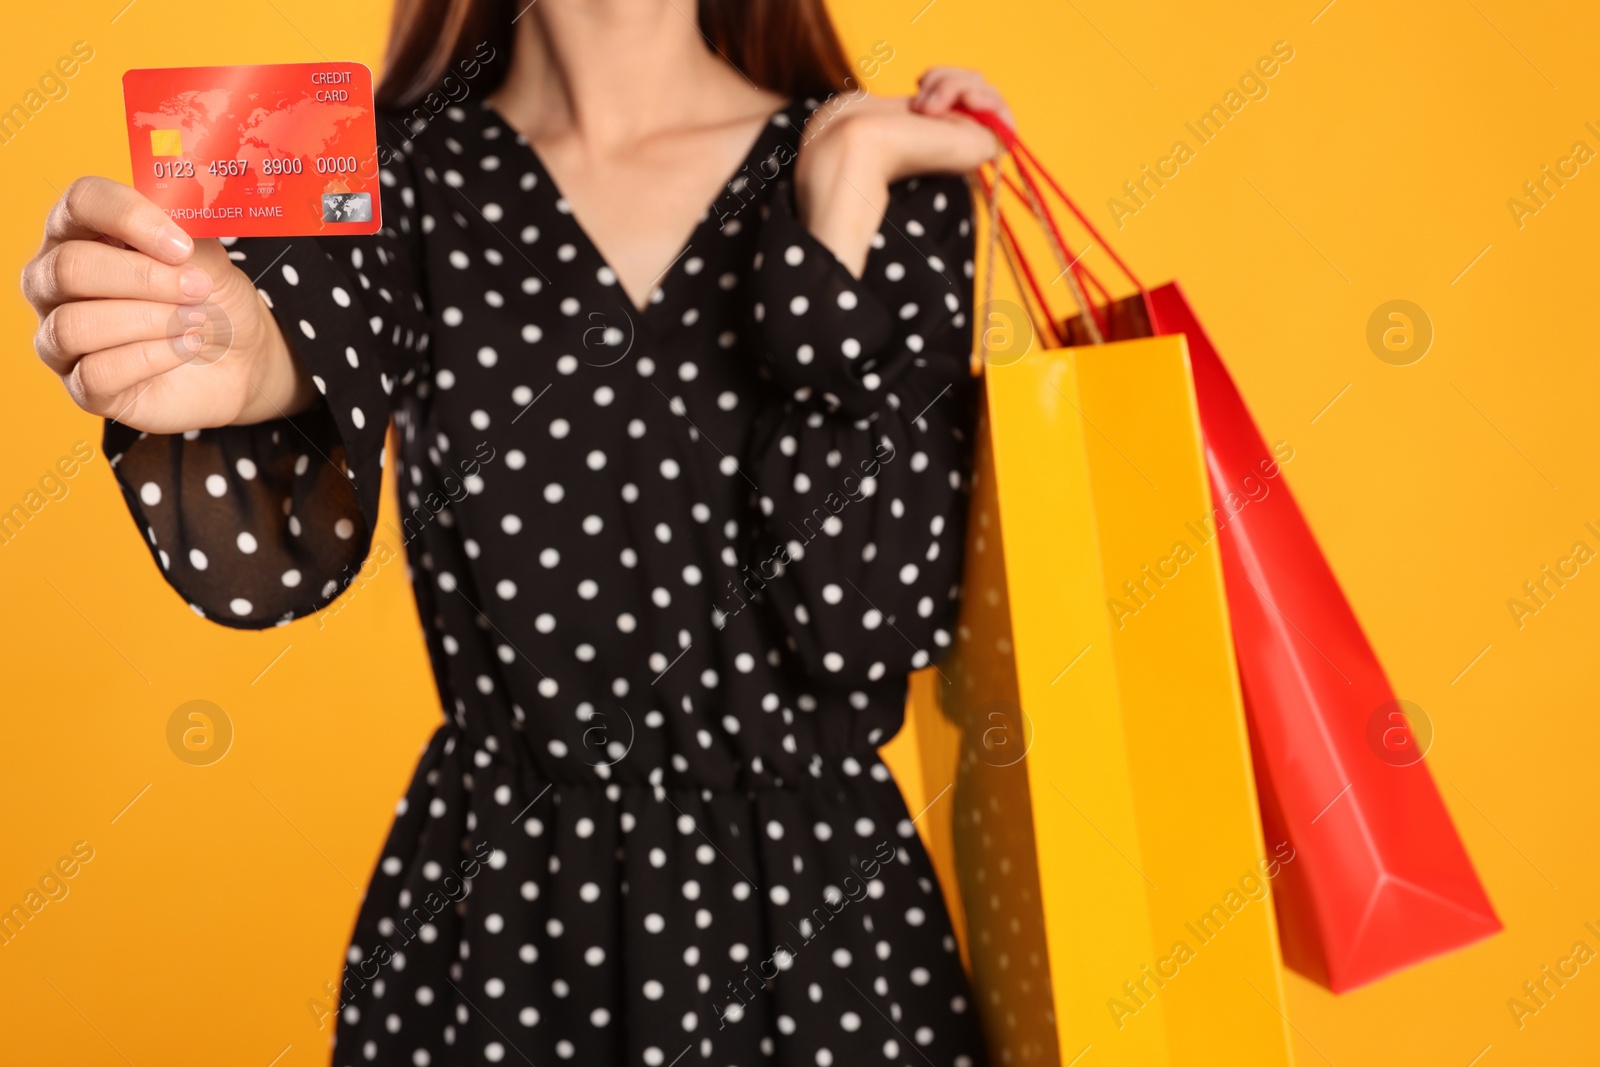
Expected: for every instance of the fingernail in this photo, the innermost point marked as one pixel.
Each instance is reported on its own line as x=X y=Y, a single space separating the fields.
x=194 y=283
x=174 y=242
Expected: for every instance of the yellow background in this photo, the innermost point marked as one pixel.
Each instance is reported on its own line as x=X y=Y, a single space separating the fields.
x=1378 y=167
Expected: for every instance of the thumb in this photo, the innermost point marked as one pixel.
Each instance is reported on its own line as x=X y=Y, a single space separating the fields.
x=231 y=287
x=211 y=257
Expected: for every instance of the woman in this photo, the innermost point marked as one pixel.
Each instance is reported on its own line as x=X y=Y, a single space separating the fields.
x=681 y=513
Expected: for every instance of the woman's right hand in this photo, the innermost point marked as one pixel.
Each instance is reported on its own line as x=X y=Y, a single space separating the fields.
x=152 y=328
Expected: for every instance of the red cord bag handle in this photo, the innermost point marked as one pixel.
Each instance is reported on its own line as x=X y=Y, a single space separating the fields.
x=1030 y=172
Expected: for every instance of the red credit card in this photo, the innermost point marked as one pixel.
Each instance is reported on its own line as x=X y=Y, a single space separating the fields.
x=281 y=149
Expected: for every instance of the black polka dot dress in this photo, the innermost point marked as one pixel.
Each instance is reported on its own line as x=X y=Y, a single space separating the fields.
x=673 y=567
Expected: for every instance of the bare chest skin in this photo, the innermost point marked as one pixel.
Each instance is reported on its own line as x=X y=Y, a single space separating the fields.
x=640 y=204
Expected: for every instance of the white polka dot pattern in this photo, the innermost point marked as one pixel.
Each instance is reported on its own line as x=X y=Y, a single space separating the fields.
x=673 y=566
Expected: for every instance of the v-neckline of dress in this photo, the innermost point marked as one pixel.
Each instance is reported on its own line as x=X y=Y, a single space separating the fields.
x=653 y=301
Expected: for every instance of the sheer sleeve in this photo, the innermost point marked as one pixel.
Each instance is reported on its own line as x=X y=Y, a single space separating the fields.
x=258 y=525
x=862 y=467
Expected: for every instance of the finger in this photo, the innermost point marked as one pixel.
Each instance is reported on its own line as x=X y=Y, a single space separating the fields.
x=124 y=407
x=930 y=81
x=969 y=143
x=939 y=99
x=223 y=274
x=89 y=270
x=99 y=208
x=211 y=256
x=943 y=94
x=102 y=383
x=934 y=75
x=985 y=97
x=83 y=326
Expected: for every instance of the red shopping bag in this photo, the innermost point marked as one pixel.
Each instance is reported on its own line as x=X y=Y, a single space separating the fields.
x=1380 y=880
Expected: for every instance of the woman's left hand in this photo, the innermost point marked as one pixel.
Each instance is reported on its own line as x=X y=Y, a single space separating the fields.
x=853 y=151
x=941 y=89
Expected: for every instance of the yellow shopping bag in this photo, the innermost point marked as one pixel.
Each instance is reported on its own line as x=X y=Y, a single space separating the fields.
x=1080 y=763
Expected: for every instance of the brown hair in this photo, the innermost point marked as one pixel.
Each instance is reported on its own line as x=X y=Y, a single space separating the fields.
x=787 y=46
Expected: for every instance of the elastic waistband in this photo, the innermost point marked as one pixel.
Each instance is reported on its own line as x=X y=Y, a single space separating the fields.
x=476 y=756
